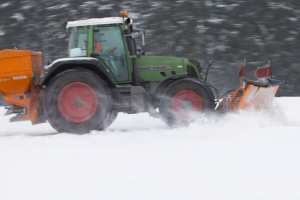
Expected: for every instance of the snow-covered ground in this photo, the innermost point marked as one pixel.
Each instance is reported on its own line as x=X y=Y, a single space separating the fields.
x=238 y=156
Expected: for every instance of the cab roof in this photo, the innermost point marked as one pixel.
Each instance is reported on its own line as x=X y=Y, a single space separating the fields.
x=96 y=21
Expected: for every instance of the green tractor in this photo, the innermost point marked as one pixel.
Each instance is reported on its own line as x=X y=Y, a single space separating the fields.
x=105 y=73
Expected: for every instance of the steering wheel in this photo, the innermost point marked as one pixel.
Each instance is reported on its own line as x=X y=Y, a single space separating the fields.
x=111 y=51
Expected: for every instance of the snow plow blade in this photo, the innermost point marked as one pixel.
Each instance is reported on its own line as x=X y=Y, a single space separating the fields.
x=257 y=95
x=253 y=95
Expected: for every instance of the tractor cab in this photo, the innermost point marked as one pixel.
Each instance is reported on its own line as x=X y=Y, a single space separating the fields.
x=111 y=41
x=101 y=39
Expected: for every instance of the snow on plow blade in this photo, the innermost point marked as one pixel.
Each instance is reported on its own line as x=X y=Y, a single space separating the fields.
x=257 y=95
x=253 y=95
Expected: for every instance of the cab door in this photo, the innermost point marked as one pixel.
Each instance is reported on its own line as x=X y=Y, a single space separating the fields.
x=108 y=46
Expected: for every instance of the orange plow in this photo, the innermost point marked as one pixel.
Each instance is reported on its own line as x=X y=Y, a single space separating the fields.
x=252 y=95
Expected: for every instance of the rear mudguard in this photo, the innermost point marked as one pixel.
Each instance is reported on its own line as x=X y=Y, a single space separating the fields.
x=62 y=64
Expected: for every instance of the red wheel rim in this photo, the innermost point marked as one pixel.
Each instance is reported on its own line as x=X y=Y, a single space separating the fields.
x=185 y=104
x=77 y=102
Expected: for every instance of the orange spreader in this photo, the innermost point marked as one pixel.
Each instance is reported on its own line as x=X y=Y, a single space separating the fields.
x=20 y=73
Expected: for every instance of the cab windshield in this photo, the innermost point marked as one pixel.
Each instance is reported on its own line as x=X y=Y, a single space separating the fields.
x=78 y=42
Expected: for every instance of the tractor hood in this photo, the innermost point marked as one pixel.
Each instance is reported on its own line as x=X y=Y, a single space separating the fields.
x=157 y=68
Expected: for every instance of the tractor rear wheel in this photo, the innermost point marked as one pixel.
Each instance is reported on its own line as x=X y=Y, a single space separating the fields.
x=77 y=101
x=183 y=101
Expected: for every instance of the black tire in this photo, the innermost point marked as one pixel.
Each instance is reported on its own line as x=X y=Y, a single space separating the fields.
x=183 y=100
x=73 y=92
x=111 y=117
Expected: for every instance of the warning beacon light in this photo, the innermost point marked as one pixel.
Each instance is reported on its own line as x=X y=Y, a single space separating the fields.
x=124 y=13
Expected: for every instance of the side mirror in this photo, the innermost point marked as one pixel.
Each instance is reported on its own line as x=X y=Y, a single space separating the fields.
x=143 y=36
x=139 y=49
x=140 y=52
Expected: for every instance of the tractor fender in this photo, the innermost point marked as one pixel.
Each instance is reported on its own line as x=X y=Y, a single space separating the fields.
x=159 y=90
x=63 y=64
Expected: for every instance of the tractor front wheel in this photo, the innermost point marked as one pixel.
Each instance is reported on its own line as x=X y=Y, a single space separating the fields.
x=183 y=101
x=77 y=101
